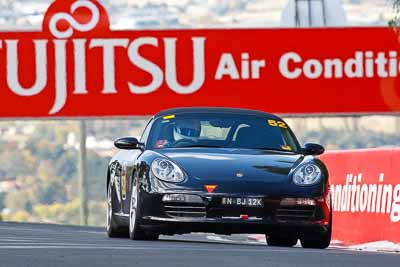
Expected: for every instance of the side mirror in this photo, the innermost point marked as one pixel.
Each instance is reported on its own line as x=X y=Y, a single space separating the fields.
x=313 y=150
x=127 y=143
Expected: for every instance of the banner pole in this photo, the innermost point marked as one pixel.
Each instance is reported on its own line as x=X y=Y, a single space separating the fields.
x=83 y=212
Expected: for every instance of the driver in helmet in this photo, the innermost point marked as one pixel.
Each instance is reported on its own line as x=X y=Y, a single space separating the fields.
x=188 y=130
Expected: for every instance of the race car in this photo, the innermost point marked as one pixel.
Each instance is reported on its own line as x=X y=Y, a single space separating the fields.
x=219 y=170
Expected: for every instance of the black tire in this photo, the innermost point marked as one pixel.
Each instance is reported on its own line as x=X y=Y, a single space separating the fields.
x=135 y=231
x=320 y=241
x=113 y=229
x=281 y=241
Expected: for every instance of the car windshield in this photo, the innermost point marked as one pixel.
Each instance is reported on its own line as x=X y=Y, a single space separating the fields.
x=222 y=131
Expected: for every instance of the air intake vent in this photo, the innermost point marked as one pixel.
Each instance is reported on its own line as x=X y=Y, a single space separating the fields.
x=185 y=210
x=295 y=214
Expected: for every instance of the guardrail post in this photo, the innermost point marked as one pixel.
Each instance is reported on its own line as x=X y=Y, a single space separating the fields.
x=83 y=212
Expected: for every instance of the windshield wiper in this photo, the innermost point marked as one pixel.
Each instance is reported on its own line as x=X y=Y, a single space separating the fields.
x=214 y=146
x=194 y=146
x=273 y=149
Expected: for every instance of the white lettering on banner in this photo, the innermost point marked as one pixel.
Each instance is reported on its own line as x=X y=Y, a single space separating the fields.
x=62 y=61
x=61 y=79
x=171 y=72
x=357 y=197
x=284 y=65
x=228 y=67
x=80 y=66
x=12 y=68
x=362 y=65
x=74 y=25
x=146 y=65
x=109 y=46
x=81 y=48
x=199 y=66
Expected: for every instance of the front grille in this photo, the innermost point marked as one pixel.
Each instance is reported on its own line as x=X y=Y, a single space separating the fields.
x=185 y=210
x=301 y=213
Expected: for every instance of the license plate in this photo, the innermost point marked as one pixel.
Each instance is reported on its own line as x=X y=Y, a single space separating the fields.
x=243 y=202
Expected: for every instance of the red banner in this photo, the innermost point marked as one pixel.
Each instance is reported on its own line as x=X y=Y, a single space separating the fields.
x=366 y=195
x=77 y=66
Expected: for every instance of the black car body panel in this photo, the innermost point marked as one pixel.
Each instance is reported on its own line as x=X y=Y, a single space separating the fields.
x=261 y=174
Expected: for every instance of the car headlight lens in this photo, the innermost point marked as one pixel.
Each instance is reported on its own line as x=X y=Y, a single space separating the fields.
x=167 y=171
x=307 y=174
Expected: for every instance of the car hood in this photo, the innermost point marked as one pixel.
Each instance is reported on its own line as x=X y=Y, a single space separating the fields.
x=229 y=165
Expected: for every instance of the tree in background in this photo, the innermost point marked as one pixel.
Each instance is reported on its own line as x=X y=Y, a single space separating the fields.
x=43 y=188
x=396 y=17
x=2 y=198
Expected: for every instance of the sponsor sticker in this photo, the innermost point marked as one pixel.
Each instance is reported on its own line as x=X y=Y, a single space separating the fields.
x=123 y=183
x=169 y=117
x=287 y=148
x=280 y=124
x=161 y=143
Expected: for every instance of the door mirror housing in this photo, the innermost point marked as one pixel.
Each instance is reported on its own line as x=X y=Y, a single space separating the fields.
x=127 y=143
x=313 y=149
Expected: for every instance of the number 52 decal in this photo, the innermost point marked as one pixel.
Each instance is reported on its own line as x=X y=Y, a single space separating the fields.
x=279 y=124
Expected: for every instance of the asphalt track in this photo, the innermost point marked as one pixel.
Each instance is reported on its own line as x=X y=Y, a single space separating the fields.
x=28 y=245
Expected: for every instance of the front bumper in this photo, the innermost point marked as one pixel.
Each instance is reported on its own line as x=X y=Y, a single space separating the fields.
x=212 y=216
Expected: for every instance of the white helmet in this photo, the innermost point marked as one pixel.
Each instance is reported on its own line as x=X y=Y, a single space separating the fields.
x=187 y=129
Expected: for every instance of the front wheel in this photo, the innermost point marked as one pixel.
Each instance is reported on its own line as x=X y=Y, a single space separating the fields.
x=320 y=241
x=135 y=232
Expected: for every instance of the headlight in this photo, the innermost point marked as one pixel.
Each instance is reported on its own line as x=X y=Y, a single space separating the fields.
x=167 y=171
x=307 y=174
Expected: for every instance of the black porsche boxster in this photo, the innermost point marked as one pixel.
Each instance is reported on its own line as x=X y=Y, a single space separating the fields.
x=219 y=170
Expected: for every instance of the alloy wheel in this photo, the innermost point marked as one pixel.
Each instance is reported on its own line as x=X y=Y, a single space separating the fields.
x=109 y=207
x=133 y=208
